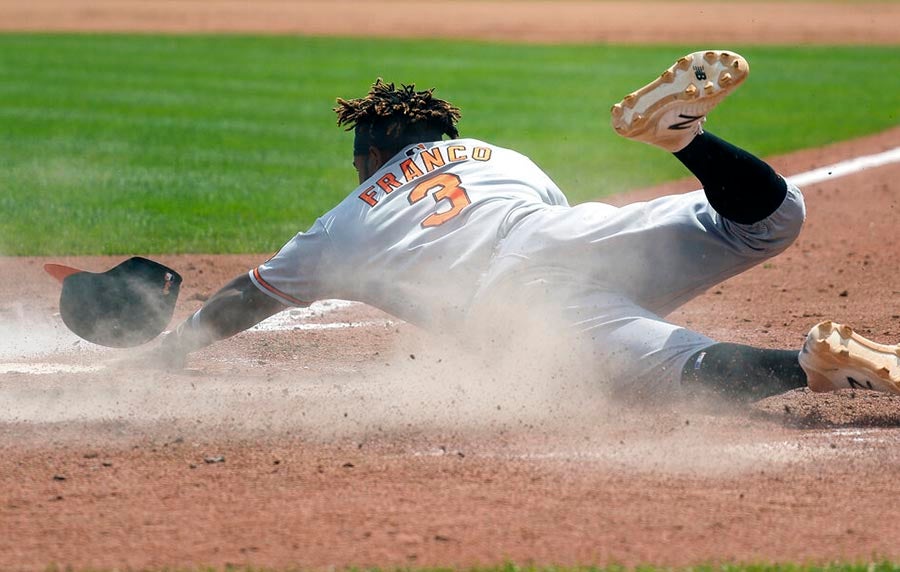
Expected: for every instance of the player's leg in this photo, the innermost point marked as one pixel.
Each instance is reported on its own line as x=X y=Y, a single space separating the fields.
x=737 y=371
x=636 y=353
x=611 y=273
x=660 y=254
x=669 y=113
x=833 y=357
x=746 y=212
x=629 y=351
x=639 y=354
x=738 y=185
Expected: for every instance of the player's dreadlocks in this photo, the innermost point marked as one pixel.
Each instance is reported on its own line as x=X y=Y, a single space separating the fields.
x=390 y=118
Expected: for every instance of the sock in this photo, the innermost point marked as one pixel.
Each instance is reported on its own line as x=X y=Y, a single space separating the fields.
x=743 y=373
x=738 y=185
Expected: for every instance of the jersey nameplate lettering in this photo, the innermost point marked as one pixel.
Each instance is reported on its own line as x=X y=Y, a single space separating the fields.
x=426 y=161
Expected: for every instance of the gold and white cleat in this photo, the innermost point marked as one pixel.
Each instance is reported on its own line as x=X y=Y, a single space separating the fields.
x=669 y=111
x=835 y=357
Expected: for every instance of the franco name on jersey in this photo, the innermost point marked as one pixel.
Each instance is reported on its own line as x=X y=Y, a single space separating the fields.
x=422 y=163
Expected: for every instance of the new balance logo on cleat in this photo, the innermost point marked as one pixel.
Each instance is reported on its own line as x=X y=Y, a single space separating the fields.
x=686 y=124
x=857 y=385
x=699 y=73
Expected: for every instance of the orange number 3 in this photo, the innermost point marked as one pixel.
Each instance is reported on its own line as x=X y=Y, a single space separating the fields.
x=445 y=186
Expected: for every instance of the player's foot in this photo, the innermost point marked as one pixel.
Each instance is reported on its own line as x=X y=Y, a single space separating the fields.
x=835 y=357
x=669 y=111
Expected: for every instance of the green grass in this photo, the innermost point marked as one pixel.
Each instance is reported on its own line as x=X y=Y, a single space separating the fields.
x=146 y=144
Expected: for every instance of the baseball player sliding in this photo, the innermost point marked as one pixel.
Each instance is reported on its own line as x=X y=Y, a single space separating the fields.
x=439 y=230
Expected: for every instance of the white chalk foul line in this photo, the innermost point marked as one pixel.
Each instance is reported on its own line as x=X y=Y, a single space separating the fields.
x=271 y=325
x=45 y=368
x=847 y=167
x=296 y=319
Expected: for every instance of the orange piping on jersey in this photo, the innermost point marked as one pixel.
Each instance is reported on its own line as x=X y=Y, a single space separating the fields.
x=452 y=150
x=368 y=196
x=410 y=170
x=389 y=182
x=432 y=159
x=276 y=291
x=274 y=254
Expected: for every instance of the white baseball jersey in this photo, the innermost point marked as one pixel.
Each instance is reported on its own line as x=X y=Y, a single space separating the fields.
x=417 y=237
x=449 y=228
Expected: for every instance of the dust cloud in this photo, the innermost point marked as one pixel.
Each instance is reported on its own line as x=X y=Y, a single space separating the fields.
x=26 y=333
x=523 y=392
x=427 y=383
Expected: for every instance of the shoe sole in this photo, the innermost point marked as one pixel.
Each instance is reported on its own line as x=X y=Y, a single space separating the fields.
x=635 y=114
x=836 y=350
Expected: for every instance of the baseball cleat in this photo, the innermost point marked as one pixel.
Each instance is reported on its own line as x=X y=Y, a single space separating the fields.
x=670 y=111
x=835 y=357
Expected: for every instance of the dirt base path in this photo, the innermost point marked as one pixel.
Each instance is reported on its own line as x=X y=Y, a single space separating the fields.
x=533 y=21
x=343 y=437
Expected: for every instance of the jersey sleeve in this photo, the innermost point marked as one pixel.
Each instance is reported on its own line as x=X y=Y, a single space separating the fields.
x=298 y=274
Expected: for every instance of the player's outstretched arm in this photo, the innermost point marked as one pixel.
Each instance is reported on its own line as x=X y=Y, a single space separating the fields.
x=239 y=305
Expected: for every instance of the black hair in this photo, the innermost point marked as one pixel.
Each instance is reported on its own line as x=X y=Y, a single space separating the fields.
x=389 y=118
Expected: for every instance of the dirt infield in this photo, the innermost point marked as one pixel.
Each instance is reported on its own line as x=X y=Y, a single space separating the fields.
x=683 y=21
x=348 y=438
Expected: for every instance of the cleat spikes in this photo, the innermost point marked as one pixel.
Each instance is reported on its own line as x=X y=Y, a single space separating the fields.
x=691 y=87
x=836 y=357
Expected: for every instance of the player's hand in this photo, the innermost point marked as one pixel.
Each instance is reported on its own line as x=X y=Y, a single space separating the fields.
x=166 y=356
